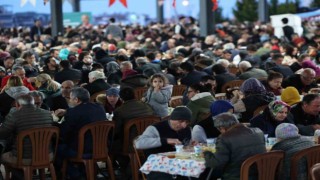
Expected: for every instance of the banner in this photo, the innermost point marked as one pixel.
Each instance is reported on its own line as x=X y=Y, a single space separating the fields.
x=215 y=5
x=24 y=2
x=123 y=2
x=174 y=3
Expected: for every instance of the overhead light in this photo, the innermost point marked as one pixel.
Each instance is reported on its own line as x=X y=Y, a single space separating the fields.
x=185 y=2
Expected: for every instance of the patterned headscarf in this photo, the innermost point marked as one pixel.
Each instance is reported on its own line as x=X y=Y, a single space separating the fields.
x=276 y=106
x=252 y=86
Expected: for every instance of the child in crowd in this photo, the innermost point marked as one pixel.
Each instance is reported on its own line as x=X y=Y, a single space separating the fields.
x=159 y=94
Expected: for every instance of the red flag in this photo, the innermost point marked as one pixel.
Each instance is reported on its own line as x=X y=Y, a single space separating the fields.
x=215 y=5
x=111 y=2
x=124 y=3
x=174 y=3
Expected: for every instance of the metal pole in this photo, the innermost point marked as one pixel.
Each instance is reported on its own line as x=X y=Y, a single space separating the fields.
x=56 y=17
x=159 y=8
x=206 y=19
x=263 y=11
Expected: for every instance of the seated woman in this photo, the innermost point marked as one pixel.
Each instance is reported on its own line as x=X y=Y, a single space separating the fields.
x=13 y=89
x=205 y=129
x=47 y=86
x=290 y=95
x=255 y=95
x=290 y=141
x=273 y=83
x=200 y=102
x=273 y=115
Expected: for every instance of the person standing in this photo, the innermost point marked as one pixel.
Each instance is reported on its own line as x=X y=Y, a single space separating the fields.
x=36 y=30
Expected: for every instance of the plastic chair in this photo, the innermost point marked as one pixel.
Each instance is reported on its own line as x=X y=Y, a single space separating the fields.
x=100 y=132
x=41 y=140
x=175 y=101
x=259 y=110
x=140 y=124
x=139 y=159
x=220 y=96
x=268 y=164
x=315 y=172
x=178 y=90
x=139 y=92
x=312 y=155
x=233 y=70
x=94 y=96
x=231 y=84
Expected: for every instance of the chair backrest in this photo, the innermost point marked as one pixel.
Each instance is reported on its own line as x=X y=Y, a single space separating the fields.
x=139 y=157
x=311 y=155
x=267 y=164
x=94 y=96
x=315 y=172
x=178 y=90
x=231 y=84
x=233 y=70
x=220 y=96
x=100 y=132
x=140 y=123
x=41 y=140
x=259 y=110
x=139 y=92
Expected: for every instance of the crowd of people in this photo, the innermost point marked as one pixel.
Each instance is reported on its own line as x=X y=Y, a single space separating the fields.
x=49 y=81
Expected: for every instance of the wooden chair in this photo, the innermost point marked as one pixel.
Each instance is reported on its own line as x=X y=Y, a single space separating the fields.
x=139 y=92
x=231 y=84
x=178 y=90
x=175 y=101
x=94 y=96
x=311 y=155
x=268 y=164
x=43 y=140
x=100 y=132
x=220 y=96
x=233 y=70
x=259 y=110
x=140 y=124
x=315 y=172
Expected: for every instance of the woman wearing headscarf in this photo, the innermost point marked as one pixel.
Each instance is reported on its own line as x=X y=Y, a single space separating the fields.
x=113 y=73
x=290 y=95
x=254 y=96
x=273 y=115
x=205 y=129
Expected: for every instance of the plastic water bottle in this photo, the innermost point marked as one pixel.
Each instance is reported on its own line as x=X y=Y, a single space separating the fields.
x=197 y=151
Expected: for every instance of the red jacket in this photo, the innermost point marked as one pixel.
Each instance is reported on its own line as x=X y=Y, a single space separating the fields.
x=25 y=83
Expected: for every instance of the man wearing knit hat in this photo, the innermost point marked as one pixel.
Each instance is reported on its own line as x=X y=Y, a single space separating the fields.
x=290 y=141
x=162 y=136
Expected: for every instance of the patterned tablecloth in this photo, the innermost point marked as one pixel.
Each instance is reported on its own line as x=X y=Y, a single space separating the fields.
x=185 y=167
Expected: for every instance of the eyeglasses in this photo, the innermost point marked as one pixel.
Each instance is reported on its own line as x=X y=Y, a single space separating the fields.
x=308 y=78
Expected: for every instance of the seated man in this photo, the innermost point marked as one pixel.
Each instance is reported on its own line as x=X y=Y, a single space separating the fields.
x=304 y=82
x=306 y=114
x=235 y=144
x=290 y=141
x=82 y=113
x=26 y=116
x=162 y=136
